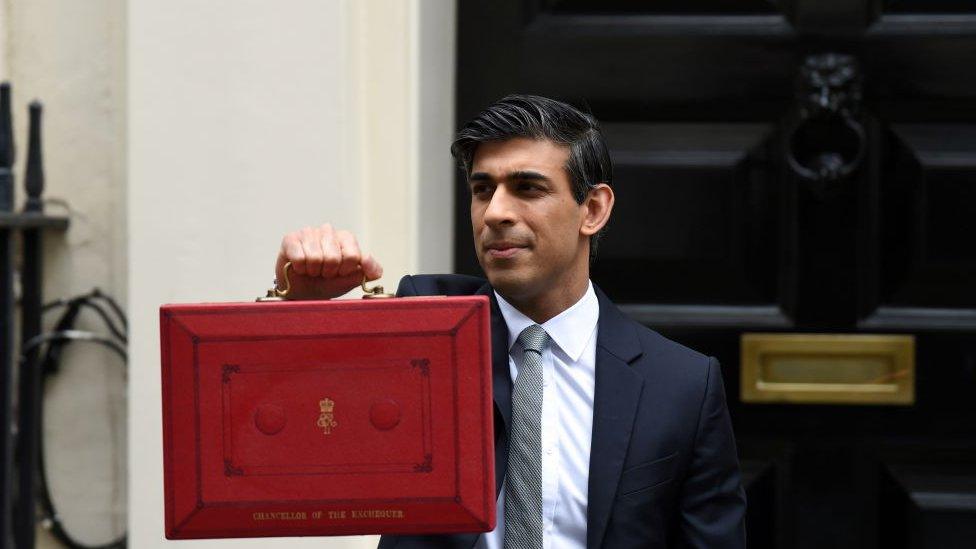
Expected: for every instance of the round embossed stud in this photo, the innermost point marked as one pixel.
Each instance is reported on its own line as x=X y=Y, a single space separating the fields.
x=270 y=419
x=384 y=414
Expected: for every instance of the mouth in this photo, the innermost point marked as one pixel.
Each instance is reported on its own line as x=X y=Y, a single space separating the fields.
x=503 y=250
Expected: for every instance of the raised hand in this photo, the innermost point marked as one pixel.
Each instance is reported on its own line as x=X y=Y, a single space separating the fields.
x=325 y=263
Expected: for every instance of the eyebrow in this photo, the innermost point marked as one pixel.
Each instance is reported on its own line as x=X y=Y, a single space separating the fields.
x=527 y=175
x=519 y=175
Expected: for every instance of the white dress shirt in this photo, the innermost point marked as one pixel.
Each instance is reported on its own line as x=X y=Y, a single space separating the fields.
x=569 y=365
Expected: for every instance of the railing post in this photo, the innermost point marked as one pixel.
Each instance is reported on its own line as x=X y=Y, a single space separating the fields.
x=6 y=318
x=29 y=404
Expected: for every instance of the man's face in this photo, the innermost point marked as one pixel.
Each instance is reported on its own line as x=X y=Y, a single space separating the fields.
x=525 y=220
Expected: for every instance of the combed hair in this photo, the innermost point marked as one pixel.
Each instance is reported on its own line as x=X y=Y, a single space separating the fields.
x=537 y=117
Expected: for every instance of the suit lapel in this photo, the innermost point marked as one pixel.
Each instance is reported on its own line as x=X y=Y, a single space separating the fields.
x=501 y=385
x=616 y=396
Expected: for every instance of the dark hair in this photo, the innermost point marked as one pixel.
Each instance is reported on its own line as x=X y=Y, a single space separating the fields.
x=542 y=118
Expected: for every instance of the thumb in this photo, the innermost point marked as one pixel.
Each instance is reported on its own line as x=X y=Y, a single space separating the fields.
x=371 y=268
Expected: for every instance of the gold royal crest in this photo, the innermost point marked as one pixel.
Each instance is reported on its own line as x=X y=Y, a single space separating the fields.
x=326 y=416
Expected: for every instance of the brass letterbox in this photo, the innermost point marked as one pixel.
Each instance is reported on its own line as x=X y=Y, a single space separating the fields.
x=828 y=369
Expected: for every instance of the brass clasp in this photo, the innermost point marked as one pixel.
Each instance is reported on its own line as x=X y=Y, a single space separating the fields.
x=376 y=292
x=274 y=294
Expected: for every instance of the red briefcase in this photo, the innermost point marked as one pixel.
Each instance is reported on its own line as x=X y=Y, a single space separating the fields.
x=327 y=418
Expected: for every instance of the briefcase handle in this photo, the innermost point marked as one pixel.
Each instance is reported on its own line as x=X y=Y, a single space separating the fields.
x=274 y=294
x=376 y=292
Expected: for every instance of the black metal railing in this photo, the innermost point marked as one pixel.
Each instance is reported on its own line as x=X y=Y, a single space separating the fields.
x=19 y=447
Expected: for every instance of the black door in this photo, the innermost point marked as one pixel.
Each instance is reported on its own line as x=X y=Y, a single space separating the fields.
x=801 y=166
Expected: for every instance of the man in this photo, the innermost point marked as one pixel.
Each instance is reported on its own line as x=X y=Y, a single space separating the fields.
x=606 y=433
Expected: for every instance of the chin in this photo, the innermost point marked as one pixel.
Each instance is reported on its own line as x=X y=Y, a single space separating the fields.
x=509 y=282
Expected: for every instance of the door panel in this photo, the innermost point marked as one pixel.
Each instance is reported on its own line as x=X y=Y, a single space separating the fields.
x=741 y=207
x=694 y=205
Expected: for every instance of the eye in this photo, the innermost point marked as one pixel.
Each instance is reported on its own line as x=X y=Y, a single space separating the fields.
x=527 y=187
x=480 y=189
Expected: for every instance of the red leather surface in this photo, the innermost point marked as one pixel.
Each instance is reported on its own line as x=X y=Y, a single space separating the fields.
x=327 y=418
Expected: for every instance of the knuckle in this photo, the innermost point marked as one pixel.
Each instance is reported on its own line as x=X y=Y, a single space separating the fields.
x=331 y=258
x=313 y=257
x=327 y=240
x=351 y=255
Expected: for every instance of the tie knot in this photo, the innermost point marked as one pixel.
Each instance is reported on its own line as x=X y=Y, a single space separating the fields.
x=533 y=338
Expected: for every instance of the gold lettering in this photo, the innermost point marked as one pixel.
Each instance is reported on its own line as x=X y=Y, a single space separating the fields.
x=280 y=515
x=378 y=514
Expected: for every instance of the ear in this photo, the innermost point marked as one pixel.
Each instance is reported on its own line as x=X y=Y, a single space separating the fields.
x=595 y=209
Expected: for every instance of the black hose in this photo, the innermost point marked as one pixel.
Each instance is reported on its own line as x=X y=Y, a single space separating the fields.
x=50 y=363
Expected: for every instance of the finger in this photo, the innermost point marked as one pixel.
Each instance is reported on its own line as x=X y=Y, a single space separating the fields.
x=331 y=252
x=371 y=268
x=312 y=246
x=350 y=253
x=291 y=250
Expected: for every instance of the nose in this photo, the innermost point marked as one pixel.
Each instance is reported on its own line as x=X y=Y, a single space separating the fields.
x=501 y=209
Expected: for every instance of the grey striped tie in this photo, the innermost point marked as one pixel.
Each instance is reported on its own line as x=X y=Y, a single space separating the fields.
x=523 y=486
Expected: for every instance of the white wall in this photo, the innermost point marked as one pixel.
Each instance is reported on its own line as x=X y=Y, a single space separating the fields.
x=248 y=119
x=70 y=55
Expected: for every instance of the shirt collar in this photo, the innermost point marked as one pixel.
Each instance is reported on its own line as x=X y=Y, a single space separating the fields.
x=570 y=330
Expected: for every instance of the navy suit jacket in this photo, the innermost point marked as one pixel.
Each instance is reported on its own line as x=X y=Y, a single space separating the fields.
x=663 y=464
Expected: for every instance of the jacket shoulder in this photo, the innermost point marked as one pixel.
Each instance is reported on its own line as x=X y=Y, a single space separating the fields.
x=439 y=284
x=671 y=363
x=656 y=344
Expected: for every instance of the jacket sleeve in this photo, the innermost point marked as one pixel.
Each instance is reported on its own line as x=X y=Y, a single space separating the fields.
x=406 y=287
x=712 y=501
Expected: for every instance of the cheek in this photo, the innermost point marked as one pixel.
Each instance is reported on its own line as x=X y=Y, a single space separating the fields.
x=560 y=233
x=568 y=222
x=476 y=217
